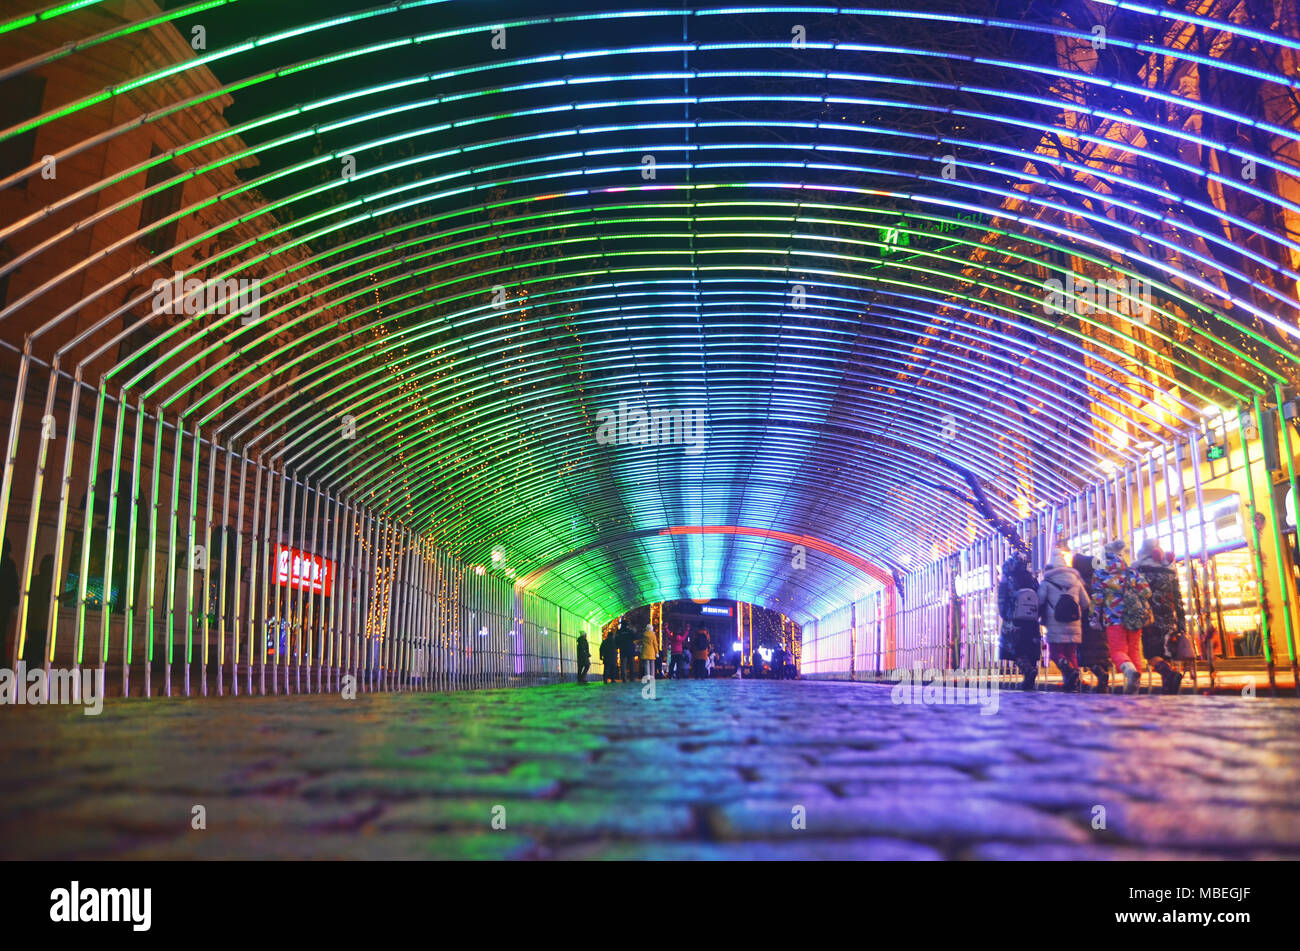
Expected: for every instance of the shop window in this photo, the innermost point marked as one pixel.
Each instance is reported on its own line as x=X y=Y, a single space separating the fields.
x=20 y=100
x=6 y=255
x=158 y=206
x=139 y=339
x=97 y=588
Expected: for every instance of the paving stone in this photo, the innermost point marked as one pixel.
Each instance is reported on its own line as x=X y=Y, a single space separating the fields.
x=1053 y=796
x=293 y=846
x=545 y=820
x=393 y=784
x=151 y=814
x=1054 y=852
x=934 y=817
x=709 y=794
x=1205 y=825
x=703 y=754
x=49 y=842
x=885 y=850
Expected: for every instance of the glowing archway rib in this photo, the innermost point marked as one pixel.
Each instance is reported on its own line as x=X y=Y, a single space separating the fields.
x=884 y=578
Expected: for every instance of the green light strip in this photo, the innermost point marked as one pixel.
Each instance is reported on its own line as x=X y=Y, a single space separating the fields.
x=47 y=14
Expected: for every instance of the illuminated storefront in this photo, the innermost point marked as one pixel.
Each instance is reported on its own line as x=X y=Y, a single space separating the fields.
x=1221 y=586
x=299 y=575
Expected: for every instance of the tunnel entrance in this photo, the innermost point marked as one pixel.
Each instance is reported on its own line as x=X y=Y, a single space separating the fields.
x=743 y=639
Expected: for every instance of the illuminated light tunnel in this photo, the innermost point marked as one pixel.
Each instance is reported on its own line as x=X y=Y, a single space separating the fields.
x=439 y=332
x=357 y=361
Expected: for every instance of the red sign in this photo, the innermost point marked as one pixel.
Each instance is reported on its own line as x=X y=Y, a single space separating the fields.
x=299 y=569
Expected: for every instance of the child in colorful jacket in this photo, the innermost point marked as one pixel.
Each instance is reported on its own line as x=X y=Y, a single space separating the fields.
x=1122 y=598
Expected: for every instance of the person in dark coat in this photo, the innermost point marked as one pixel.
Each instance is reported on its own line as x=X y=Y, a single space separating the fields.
x=8 y=599
x=1094 y=652
x=584 y=658
x=1018 y=607
x=627 y=648
x=700 y=654
x=609 y=658
x=1169 y=614
x=38 y=618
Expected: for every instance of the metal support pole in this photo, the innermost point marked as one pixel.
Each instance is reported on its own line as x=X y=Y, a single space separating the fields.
x=1265 y=632
x=1288 y=454
x=1281 y=560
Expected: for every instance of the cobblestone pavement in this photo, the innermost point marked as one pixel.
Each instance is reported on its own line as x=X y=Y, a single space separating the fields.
x=710 y=769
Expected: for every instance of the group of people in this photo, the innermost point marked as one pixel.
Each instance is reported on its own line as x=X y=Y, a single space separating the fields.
x=628 y=656
x=1097 y=613
x=37 y=607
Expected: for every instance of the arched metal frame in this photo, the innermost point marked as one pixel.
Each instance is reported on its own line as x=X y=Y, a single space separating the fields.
x=432 y=391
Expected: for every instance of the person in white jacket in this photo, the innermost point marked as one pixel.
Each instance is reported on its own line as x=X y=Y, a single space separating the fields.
x=1063 y=603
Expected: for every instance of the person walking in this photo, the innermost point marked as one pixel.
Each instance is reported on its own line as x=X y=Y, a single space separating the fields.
x=1094 y=652
x=700 y=654
x=609 y=658
x=1180 y=646
x=1018 y=607
x=627 y=643
x=584 y=658
x=38 y=618
x=677 y=662
x=649 y=650
x=8 y=599
x=1168 y=615
x=1064 y=604
x=1123 y=600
